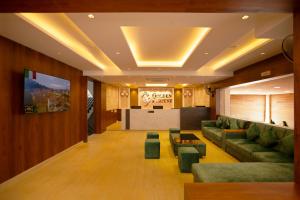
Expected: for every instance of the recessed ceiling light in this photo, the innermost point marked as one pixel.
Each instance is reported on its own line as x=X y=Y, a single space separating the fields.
x=118 y=53
x=205 y=53
x=288 y=91
x=262 y=53
x=91 y=16
x=127 y=84
x=156 y=84
x=184 y=84
x=277 y=87
x=245 y=17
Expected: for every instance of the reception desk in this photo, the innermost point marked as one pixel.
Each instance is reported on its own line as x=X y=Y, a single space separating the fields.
x=163 y=119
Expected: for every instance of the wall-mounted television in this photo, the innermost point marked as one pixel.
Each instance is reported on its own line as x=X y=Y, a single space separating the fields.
x=44 y=93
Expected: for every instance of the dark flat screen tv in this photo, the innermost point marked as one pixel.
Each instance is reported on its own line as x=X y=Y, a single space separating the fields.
x=44 y=93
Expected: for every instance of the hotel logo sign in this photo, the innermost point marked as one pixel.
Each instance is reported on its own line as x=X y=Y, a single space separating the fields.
x=149 y=97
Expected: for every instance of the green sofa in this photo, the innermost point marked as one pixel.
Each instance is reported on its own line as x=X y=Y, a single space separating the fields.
x=217 y=133
x=266 y=152
x=268 y=143
x=243 y=172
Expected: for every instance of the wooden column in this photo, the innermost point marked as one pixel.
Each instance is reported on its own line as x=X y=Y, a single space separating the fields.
x=297 y=93
x=83 y=108
x=97 y=107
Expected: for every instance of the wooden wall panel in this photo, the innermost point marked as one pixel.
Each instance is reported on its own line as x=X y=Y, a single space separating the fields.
x=177 y=98
x=28 y=139
x=282 y=109
x=277 y=65
x=103 y=117
x=147 y=6
x=249 y=107
x=134 y=98
x=297 y=94
x=201 y=98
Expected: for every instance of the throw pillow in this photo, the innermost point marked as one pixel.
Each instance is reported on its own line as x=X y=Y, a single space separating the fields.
x=234 y=124
x=241 y=124
x=219 y=122
x=225 y=124
x=267 y=138
x=252 y=132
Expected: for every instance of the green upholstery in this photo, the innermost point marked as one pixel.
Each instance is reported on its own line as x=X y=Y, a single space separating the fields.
x=233 y=123
x=152 y=148
x=243 y=172
x=267 y=138
x=286 y=145
x=186 y=157
x=252 y=132
x=262 y=149
x=152 y=135
x=273 y=156
x=219 y=123
x=216 y=134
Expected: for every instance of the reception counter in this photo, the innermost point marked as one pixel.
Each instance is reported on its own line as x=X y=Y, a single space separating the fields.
x=163 y=119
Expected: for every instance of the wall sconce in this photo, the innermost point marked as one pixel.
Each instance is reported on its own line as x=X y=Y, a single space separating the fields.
x=124 y=94
x=188 y=93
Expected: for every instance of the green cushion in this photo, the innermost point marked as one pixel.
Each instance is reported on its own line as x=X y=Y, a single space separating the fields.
x=241 y=124
x=225 y=124
x=286 y=145
x=152 y=148
x=253 y=147
x=252 y=132
x=152 y=135
x=174 y=130
x=261 y=127
x=267 y=138
x=274 y=157
x=186 y=157
x=233 y=124
x=219 y=122
x=239 y=141
x=243 y=172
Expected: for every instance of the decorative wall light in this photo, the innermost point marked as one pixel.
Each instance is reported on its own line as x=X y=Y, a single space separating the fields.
x=124 y=94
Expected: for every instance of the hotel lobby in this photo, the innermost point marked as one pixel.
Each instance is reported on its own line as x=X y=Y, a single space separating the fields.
x=149 y=100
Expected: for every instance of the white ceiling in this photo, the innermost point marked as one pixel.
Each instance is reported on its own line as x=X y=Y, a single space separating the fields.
x=278 y=85
x=160 y=35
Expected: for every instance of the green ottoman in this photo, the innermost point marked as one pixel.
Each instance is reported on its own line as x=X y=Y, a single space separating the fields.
x=186 y=157
x=152 y=135
x=174 y=130
x=152 y=148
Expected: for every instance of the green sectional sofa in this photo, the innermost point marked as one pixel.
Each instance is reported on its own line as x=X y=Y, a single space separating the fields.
x=266 y=152
x=263 y=143
x=243 y=172
x=224 y=128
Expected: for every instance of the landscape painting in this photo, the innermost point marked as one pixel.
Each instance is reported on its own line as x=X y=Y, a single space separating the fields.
x=44 y=93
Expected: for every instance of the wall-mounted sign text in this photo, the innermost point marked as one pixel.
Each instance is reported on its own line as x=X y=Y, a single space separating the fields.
x=149 y=97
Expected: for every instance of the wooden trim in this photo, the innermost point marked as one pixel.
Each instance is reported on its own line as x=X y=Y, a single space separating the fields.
x=148 y=6
x=245 y=191
x=83 y=108
x=297 y=94
x=277 y=65
x=97 y=106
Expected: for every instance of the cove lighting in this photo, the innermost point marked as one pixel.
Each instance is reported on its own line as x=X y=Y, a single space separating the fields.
x=199 y=33
x=239 y=52
x=156 y=84
x=62 y=29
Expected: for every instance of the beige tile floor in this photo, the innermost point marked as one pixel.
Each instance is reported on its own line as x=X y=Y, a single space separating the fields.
x=111 y=166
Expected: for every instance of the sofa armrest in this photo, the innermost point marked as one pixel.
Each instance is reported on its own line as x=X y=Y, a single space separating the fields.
x=234 y=134
x=208 y=123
